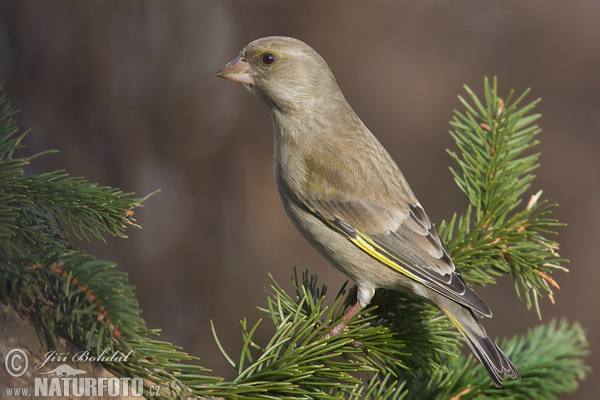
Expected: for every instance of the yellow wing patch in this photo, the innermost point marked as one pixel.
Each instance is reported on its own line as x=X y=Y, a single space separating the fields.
x=368 y=245
x=449 y=285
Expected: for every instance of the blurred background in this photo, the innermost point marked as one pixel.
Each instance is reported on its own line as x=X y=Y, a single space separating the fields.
x=126 y=91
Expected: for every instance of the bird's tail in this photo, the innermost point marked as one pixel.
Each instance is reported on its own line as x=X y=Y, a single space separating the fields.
x=497 y=365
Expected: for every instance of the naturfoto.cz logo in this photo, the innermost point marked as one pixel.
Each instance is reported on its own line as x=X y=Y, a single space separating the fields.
x=66 y=381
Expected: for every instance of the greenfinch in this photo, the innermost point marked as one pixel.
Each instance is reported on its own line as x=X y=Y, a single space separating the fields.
x=348 y=198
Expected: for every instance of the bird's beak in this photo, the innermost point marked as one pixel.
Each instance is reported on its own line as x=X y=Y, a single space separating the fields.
x=237 y=70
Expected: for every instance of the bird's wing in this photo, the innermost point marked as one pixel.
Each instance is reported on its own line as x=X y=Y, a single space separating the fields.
x=395 y=231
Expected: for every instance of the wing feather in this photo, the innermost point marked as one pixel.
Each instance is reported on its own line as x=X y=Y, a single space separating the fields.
x=396 y=232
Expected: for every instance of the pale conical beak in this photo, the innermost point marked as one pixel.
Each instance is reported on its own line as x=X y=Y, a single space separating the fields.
x=237 y=70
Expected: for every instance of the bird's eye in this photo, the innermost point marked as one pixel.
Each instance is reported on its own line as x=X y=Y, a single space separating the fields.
x=268 y=59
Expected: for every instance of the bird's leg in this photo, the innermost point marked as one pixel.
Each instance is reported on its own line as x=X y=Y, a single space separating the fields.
x=364 y=296
x=336 y=330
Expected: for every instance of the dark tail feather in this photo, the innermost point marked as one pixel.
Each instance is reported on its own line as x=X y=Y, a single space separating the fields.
x=497 y=365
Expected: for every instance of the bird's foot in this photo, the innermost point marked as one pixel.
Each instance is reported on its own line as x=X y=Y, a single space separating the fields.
x=339 y=328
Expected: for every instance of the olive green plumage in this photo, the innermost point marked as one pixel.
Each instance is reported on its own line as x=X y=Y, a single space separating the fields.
x=346 y=195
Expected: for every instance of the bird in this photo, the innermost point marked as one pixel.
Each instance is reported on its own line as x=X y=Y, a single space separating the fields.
x=348 y=198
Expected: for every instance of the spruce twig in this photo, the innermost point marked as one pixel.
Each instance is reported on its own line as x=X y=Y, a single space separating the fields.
x=501 y=232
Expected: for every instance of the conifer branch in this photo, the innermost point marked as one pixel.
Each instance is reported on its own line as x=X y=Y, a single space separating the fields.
x=399 y=348
x=501 y=232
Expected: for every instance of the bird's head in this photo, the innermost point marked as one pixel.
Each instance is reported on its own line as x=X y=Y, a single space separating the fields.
x=285 y=73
